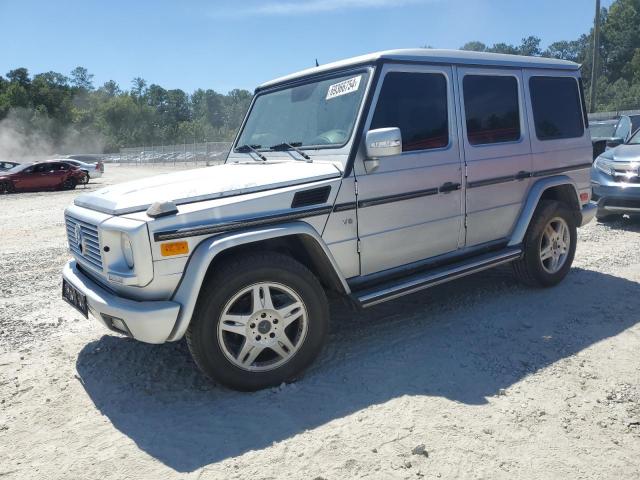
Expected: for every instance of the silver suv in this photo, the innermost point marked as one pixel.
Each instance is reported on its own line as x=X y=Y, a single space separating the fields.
x=370 y=178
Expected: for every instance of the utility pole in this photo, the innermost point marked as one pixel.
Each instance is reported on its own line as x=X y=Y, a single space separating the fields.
x=594 y=60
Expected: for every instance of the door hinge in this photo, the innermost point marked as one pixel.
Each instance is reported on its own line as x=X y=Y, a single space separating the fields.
x=356 y=187
x=358 y=246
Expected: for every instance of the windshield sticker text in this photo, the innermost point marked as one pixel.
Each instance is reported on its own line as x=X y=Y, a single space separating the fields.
x=342 y=88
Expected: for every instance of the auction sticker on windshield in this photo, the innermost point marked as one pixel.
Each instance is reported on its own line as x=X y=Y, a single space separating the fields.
x=344 y=87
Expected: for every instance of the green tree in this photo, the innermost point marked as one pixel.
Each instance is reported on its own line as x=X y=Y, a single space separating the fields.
x=82 y=79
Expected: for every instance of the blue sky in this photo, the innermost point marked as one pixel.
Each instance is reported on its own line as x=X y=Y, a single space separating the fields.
x=229 y=44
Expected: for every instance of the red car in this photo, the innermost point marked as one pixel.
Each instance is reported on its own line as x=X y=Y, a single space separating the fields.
x=41 y=176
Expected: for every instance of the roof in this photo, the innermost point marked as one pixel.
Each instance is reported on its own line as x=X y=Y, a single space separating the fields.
x=427 y=55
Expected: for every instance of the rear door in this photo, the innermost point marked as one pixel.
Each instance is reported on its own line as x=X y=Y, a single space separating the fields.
x=497 y=151
x=410 y=208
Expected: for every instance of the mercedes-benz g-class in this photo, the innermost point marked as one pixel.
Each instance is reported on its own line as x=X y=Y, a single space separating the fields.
x=369 y=178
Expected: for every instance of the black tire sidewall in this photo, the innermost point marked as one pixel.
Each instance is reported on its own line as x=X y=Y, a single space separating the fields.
x=544 y=214
x=202 y=335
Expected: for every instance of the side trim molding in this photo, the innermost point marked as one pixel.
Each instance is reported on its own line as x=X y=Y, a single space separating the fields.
x=240 y=224
x=370 y=202
x=524 y=175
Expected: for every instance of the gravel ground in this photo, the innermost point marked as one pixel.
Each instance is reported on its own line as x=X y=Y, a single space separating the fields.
x=479 y=378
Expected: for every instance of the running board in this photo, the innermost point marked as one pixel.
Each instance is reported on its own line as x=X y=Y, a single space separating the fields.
x=420 y=281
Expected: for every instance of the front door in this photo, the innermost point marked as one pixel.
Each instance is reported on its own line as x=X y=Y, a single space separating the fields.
x=411 y=207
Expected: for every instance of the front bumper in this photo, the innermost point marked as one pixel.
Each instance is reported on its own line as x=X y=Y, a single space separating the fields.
x=613 y=195
x=147 y=321
x=617 y=199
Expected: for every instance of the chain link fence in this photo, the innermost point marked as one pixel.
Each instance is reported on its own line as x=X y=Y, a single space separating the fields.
x=611 y=115
x=204 y=153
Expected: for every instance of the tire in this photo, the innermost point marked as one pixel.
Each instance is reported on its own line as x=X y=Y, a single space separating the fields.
x=7 y=187
x=234 y=337
x=531 y=269
x=69 y=184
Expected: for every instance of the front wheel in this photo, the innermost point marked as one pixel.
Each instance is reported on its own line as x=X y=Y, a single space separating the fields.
x=6 y=186
x=549 y=246
x=260 y=321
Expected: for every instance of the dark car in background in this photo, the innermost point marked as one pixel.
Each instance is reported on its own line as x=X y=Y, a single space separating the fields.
x=7 y=165
x=41 y=176
x=602 y=131
x=615 y=178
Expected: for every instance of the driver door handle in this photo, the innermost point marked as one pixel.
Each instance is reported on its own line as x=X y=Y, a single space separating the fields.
x=449 y=187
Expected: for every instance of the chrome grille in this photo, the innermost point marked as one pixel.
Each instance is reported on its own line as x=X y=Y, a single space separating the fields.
x=88 y=248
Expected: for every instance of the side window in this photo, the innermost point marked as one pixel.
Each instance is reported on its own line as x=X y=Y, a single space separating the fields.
x=491 y=108
x=557 y=111
x=416 y=103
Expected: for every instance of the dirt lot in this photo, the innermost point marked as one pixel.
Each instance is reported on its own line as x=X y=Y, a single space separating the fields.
x=480 y=378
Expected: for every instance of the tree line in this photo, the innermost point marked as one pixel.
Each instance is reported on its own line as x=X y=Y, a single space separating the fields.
x=618 y=67
x=58 y=107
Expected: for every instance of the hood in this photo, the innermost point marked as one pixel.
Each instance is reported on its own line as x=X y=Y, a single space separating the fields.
x=204 y=184
x=623 y=153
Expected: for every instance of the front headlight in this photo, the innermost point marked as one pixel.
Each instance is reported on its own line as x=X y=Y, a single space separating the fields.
x=127 y=249
x=605 y=166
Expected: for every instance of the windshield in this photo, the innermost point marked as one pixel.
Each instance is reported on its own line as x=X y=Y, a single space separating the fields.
x=600 y=130
x=313 y=115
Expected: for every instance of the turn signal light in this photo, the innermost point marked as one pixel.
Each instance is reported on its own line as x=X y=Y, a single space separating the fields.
x=174 y=248
x=584 y=197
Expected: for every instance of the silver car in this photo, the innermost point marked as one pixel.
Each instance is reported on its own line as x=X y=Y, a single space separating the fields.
x=93 y=170
x=615 y=177
x=368 y=179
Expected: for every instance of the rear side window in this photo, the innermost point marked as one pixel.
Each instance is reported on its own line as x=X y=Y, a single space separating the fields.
x=416 y=103
x=557 y=112
x=491 y=109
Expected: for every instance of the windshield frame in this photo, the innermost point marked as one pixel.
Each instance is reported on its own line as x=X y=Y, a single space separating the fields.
x=637 y=134
x=368 y=70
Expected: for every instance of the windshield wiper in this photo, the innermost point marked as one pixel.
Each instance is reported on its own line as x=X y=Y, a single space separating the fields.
x=284 y=146
x=251 y=148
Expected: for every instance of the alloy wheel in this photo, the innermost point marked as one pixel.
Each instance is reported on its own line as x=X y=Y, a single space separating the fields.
x=554 y=245
x=262 y=326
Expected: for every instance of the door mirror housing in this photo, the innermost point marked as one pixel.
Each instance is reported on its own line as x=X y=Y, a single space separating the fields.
x=614 y=142
x=381 y=142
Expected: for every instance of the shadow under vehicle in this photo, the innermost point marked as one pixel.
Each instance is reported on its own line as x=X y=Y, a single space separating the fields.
x=436 y=343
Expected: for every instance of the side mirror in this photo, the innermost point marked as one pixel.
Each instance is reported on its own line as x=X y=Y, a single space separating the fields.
x=381 y=142
x=614 y=142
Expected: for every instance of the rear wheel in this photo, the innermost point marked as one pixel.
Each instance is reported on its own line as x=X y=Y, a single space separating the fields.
x=549 y=246
x=260 y=321
x=69 y=183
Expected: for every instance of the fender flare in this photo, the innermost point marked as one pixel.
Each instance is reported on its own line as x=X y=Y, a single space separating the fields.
x=187 y=292
x=533 y=198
